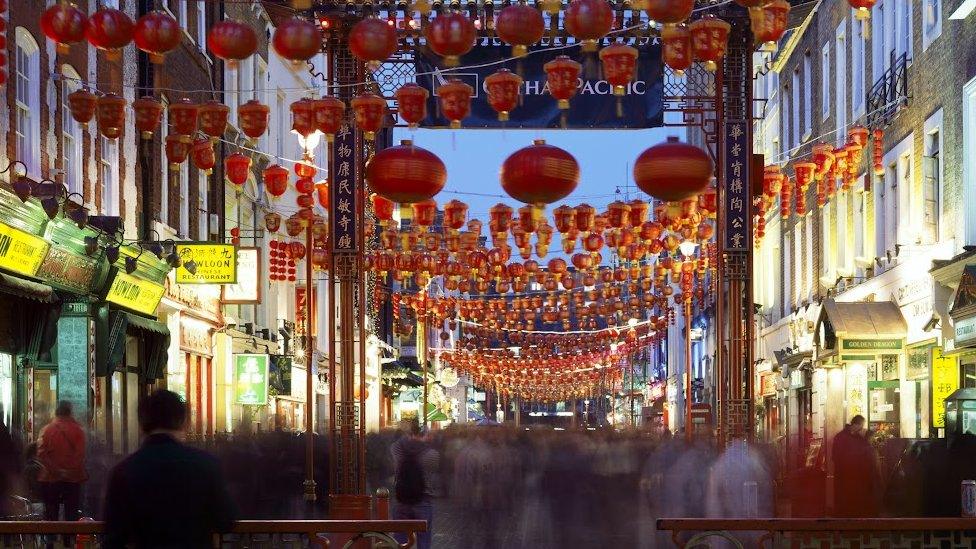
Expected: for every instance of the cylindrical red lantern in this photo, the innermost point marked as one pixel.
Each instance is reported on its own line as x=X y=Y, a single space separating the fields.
x=149 y=113
x=111 y=115
x=176 y=151
x=503 y=88
x=804 y=173
x=202 y=155
x=769 y=22
x=382 y=208
x=877 y=151
x=253 y=118
x=589 y=21
x=520 y=26
x=109 y=30
x=673 y=170
x=863 y=8
x=297 y=39
x=676 y=50
x=539 y=174
x=451 y=35
x=275 y=180
x=157 y=33
x=296 y=250
x=322 y=193
x=412 y=103
x=237 y=167
x=424 y=213
x=709 y=40
x=619 y=63
x=183 y=116
x=232 y=41
x=305 y=201
x=302 y=117
x=64 y=24
x=370 y=111
x=406 y=173
x=562 y=75
x=455 y=214
x=823 y=157
x=213 y=119
x=859 y=135
x=455 y=101
x=328 y=112
x=82 y=104
x=669 y=12
x=373 y=40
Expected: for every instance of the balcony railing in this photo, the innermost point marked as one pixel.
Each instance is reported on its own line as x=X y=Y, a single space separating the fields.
x=892 y=533
x=889 y=94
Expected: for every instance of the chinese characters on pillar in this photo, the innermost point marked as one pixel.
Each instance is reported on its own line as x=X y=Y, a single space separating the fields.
x=737 y=192
x=343 y=188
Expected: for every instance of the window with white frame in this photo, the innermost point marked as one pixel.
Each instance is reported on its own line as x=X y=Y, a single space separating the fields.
x=807 y=95
x=840 y=82
x=27 y=127
x=785 y=119
x=787 y=268
x=281 y=123
x=904 y=41
x=825 y=81
x=797 y=261
x=858 y=45
x=879 y=52
x=795 y=114
x=931 y=21
x=108 y=174
x=163 y=214
x=261 y=92
x=184 y=176
x=182 y=13
x=931 y=185
x=71 y=135
x=808 y=275
x=202 y=25
x=202 y=206
x=829 y=240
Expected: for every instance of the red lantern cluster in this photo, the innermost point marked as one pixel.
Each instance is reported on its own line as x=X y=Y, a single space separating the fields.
x=877 y=149
x=232 y=41
x=673 y=170
x=281 y=264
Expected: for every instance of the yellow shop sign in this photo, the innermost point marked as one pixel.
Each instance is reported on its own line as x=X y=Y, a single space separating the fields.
x=142 y=296
x=212 y=264
x=21 y=252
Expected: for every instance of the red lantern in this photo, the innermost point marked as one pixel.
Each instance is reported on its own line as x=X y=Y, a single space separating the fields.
x=863 y=8
x=382 y=208
x=296 y=250
x=232 y=41
x=823 y=157
x=370 y=111
x=670 y=12
x=406 y=173
x=109 y=30
x=111 y=115
x=305 y=185
x=305 y=201
x=676 y=49
x=202 y=154
x=82 y=104
x=424 y=213
x=539 y=174
x=176 y=151
x=237 y=166
x=859 y=135
x=373 y=41
x=585 y=217
x=520 y=26
x=275 y=180
x=769 y=22
x=213 y=118
x=878 y=152
x=455 y=101
x=253 y=118
x=149 y=113
x=412 y=103
x=303 y=117
x=589 y=21
x=619 y=63
x=328 y=112
x=673 y=170
x=322 y=192
x=157 y=33
x=785 y=192
x=272 y=222
x=64 y=24
x=562 y=75
x=804 y=173
x=503 y=90
x=183 y=116
x=455 y=213
x=451 y=35
x=709 y=40
x=297 y=39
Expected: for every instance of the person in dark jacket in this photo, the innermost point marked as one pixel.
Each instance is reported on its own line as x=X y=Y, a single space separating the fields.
x=166 y=494
x=857 y=479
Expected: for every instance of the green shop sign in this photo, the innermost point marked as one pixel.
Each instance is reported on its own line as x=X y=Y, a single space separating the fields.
x=251 y=379
x=872 y=344
x=68 y=270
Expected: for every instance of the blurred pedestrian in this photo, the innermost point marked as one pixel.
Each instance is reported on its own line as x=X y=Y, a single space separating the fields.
x=61 y=453
x=166 y=494
x=416 y=465
x=857 y=479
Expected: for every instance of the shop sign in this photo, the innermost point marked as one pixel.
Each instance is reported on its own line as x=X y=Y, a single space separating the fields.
x=945 y=381
x=215 y=263
x=857 y=390
x=965 y=330
x=204 y=299
x=251 y=379
x=195 y=337
x=796 y=379
x=247 y=289
x=21 y=252
x=919 y=359
x=860 y=344
x=68 y=269
x=142 y=296
x=767 y=384
x=300 y=302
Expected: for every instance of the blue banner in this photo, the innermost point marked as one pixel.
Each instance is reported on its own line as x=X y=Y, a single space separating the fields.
x=594 y=105
x=342 y=191
x=738 y=197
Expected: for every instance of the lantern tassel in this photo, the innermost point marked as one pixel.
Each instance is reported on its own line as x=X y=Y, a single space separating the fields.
x=563 y=119
x=620 y=107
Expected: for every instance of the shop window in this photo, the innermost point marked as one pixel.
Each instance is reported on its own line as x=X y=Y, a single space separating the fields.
x=968 y=380
x=6 y=388
x=45 y=398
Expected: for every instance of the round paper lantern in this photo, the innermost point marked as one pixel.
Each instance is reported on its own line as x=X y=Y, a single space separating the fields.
x=232 y=41
x=769 y=22
x=451 y=35
x=275 y=180
x=709 y=40
x=64 y=24
x=673 y=170
x=503 y=89
x=157 y=33
x=176 y=151
x=562 y=75
x=237 y=167
x=253 y=118
x=406 y=173
x=305 y=185
x=202 y=155
x=589 y=21
x=412 y=103
x=455 y=101
x=373 y=41
x=670 y=12
x=520 y=26
x=213 y=119
x=149 y=113
x=297 y=40
x=676 y=50
x=370 y=111
x=111 y=115
x=183 y=116
x=539 y=174
x=619 y=63
x=329 y=113
x=82 y=104
x=109 y=30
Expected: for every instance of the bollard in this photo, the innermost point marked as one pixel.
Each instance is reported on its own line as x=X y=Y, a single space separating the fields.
x=382 y=504
x=750 y=499
x=969 y=498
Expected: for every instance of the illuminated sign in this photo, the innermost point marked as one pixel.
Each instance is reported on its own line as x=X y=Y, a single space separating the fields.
x=214 y=263
x=21 y=252
x=248 y=286
x=142 y=296
x=251 y=379
x=945 y=381
x=871 y=344
x=965 y=330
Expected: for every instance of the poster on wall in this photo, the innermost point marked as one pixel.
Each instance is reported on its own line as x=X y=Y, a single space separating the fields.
x=247 y=289
x=251 y=379
x=856 y=393
x=945 y=381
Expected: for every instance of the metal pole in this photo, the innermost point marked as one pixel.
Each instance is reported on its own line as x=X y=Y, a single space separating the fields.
x=309 y=386
x=422 y=356
x=687 y=367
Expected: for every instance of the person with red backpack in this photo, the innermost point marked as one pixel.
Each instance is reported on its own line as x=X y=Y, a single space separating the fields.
x=61 y=453
x=415 y=466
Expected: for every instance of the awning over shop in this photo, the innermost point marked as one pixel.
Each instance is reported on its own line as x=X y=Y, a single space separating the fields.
x=859 y=320
x=21 y=287
x=153 y=334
